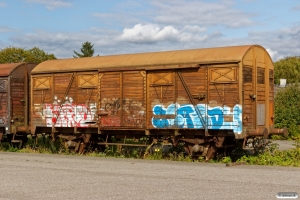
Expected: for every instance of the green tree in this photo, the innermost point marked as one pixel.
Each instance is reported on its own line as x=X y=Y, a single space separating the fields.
x=14 y=55
x=287 y=68
x=36 y=55
x=287 y=109
x=87 y=50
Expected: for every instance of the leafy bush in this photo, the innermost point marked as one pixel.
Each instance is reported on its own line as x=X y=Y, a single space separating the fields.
x=273 y=156
x=288 y=68
x=287 y=109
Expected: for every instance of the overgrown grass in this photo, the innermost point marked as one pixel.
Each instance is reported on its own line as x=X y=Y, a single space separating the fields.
x=39 y=145
x=271 y=156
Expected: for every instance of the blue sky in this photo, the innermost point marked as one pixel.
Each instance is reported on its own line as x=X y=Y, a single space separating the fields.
x=132 y=26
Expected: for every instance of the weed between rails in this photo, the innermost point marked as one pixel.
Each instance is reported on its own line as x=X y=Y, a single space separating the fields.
x=271 y=156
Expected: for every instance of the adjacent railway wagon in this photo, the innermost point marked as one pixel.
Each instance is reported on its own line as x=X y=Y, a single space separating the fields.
x=206 y=99
x=14 y=101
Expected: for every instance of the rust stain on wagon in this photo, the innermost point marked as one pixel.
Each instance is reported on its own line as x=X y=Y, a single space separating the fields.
x=139 y=61
x=6 y=69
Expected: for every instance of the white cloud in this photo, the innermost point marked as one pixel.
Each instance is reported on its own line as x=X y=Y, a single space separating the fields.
x=283 y=42
x=296 y=7
x=5 y=29
x=2 y=4
x=148 y=33
x=151 y=37
x=62 y=44
x=52 y=4
x=175 y=24
x=194 y=29
x=153 y=33
x=272 y=53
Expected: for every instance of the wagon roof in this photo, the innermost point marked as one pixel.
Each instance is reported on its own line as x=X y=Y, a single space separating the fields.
x=7 y=69
x=145 y=60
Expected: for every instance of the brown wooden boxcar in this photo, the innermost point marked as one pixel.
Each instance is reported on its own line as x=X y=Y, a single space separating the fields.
x=205 y=98
x=14 y=101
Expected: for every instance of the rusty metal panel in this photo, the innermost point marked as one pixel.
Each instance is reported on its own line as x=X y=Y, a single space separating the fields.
x=87 y=80
x=223 y=74
x=7 y=69
x=147 y=60
x=41 y=83
x=159 y=79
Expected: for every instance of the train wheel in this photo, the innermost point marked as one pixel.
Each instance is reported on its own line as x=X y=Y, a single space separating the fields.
x=188 y=148
x=259 y=145
x=85 y=142
x=19 y=140
x=211 y=152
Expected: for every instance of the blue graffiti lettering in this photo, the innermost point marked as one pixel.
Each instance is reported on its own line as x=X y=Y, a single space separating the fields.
x=185 y=116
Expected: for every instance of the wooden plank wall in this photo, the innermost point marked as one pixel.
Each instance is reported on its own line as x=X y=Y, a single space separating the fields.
x=17 y=93
x=196 y=81
x=271 y=96
x=110 y=98
x=223 y=95
x=133 y=99
x=39 y=98
x=123 y=98
x=260 y=97
x=3 y=108
x=223 y=87
x=64 y=103
x=160 y=94
x=248 y=88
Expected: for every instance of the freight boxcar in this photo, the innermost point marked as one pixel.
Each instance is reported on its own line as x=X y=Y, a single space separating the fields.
x=205 y=98
x=14 y=102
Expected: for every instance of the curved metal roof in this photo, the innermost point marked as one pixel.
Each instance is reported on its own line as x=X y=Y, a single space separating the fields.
x=7 y=69
x=144 y=60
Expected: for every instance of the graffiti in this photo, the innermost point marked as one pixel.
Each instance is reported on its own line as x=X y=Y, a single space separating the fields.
x=67 y=114
x=110 y=121
x=132 y=112
x=185 y=116
x=113 y=107
x=136 y=119
x=3 y=120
